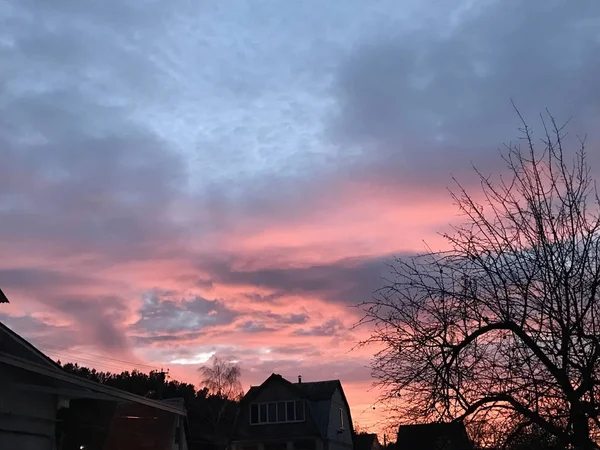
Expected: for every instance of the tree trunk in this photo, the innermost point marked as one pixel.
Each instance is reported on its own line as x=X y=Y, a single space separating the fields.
x=581 y=431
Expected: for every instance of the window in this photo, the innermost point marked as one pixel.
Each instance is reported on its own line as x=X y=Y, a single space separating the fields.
x=254 y=413
x=277 y=412
x=291 y=411
x=263 y=413
x=272 y=412
x=299 y=410
x=280 y=411
x=341 y=419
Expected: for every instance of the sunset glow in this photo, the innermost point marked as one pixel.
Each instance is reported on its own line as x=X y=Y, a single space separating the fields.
x=229 y=178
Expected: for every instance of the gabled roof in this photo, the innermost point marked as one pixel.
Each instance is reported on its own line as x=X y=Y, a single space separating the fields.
x=319 y=393
x=319 y=390
x=311 y=390
x=3 y=298
x=433 y=435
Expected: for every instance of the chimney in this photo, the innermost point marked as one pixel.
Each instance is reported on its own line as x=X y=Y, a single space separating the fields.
x=299 y=379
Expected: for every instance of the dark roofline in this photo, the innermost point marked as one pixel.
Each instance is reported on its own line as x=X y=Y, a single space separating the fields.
x=3 y=298
x=409 y=432
x=29 y=346
x=58 y=374
x=255 y=390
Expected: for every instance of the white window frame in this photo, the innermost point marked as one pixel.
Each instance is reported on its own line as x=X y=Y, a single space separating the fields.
x=270 y=420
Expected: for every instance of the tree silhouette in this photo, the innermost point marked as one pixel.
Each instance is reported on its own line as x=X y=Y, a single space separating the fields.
x=503 y=327
x=222 y=378
x=210 y=416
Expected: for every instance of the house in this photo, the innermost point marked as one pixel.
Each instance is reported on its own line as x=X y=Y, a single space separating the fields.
x=44 y=408
x=281 y=415
x=366 y=441
x=434 y=436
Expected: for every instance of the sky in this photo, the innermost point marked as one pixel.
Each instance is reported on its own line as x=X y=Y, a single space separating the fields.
x=186 y=179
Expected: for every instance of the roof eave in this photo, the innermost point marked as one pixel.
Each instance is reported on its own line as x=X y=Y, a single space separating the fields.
x=59 y=374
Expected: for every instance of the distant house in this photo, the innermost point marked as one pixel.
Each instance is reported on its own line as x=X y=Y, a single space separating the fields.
x=44 y=408
x=366 y=441
x=280 y=415
x=434 y=436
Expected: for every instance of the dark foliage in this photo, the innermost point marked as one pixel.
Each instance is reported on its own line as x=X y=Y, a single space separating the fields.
x=210 y=417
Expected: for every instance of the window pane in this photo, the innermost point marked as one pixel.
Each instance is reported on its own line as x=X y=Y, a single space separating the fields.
x=341 y=418
x=281 y=412
x=290 y=411
x=272 y=412
x=263 y=413
x=299 y=410
x=254 y=413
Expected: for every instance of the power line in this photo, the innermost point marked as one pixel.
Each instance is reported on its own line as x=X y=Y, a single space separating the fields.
x=98 y=366
x=92 y=362
x=75 y=352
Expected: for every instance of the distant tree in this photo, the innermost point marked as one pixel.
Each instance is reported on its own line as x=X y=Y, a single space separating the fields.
x=504 y=326
x=152 y=384
x=532 y=437
x=210 y=416
x=222 y=378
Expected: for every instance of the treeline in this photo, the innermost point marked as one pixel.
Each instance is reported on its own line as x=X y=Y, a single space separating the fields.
x=210 y=415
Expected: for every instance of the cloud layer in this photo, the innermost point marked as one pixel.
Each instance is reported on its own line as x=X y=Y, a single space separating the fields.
x=225 y=178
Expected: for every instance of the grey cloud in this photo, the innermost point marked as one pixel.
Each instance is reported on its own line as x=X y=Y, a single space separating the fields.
x=77 y=169
x=160 y=316
x=426 y=104
x=45 y=336
x=166 y=338
x=348 y=371
x=98 y=318
x=348 y=281
x=260 y=298
x=330 y=328
x=307 y=350
x=252 y=326
x=28 y=279
x=289 y=319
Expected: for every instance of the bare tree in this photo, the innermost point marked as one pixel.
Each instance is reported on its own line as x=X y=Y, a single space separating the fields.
x=222 y=378
x=504 y=327
x=222 y=381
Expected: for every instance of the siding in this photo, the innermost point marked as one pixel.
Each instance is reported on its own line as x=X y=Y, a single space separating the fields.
x=27 y=419
x=343 y=440
x=275 y=391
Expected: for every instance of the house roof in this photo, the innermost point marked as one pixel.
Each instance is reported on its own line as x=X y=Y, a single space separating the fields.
x=365 y=441
x=311 y=390
x=3 y=298
x=318 y=390
x=17 y=352
x=87 y=385
x=318 y=393
x=433 y=435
